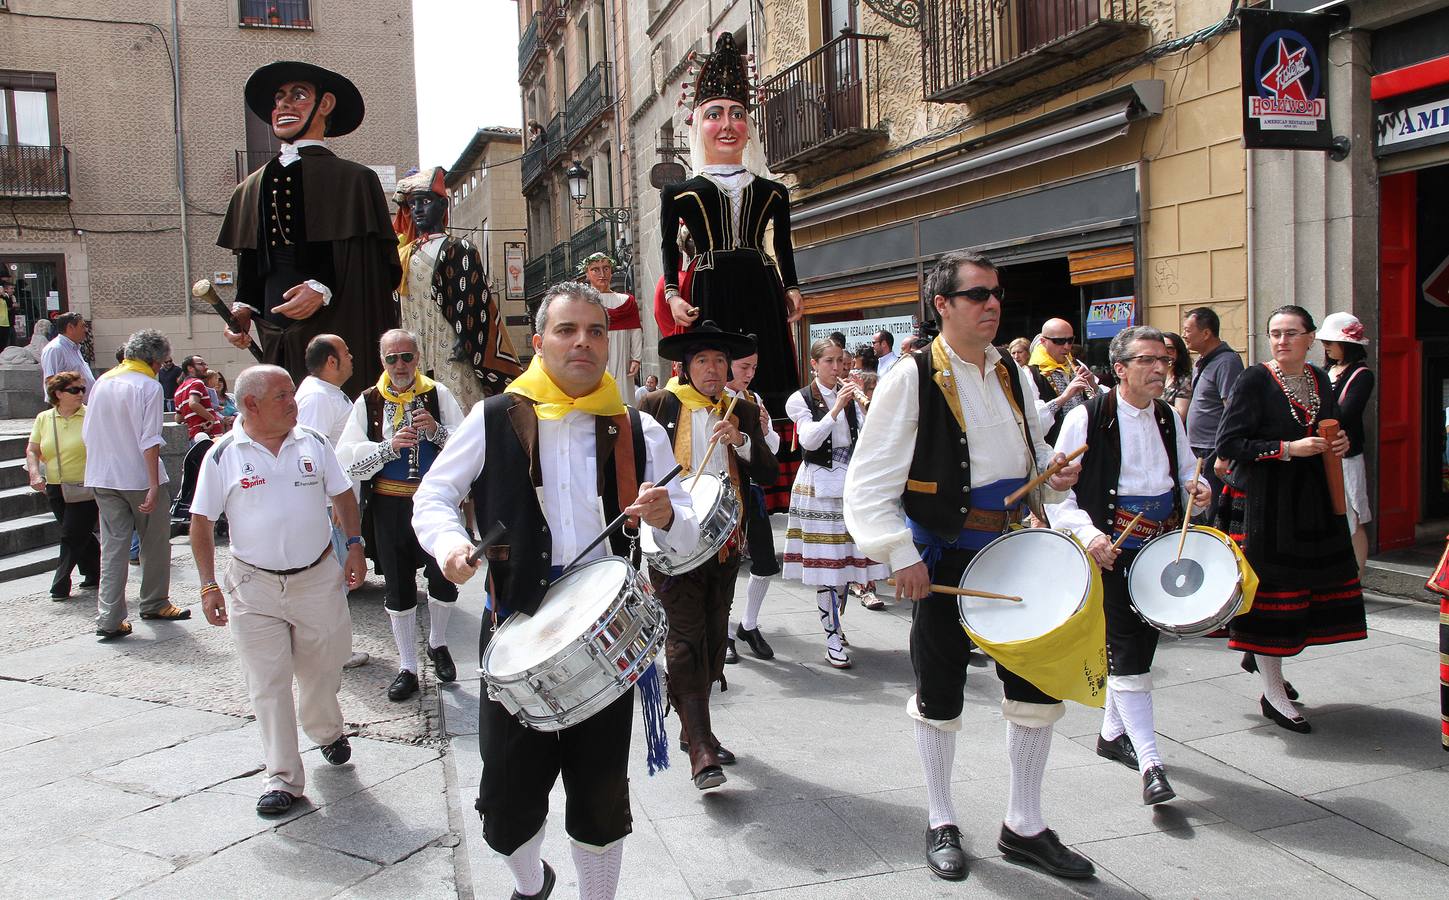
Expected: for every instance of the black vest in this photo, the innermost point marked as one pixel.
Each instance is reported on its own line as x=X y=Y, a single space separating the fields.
x=821 y=456
x=505 y=491
x=938 y=492
x=372 y=402
x=1096 y=488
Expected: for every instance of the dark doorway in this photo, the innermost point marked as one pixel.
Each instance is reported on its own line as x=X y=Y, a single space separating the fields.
x=40 y=293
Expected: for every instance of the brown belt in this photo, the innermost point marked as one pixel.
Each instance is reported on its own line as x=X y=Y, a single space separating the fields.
x=993 y=520
x=1145 y=529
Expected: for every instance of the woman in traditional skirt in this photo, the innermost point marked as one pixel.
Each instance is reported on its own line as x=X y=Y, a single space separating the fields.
x=1353 y=384
x=1280 y=510
x=818 y=549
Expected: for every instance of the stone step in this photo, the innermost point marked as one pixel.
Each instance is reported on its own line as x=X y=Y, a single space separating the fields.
x=13 y=474
x=13 y=446
x=19 y=502
x=1399 y=579
x=28 y=533
x=28 y=562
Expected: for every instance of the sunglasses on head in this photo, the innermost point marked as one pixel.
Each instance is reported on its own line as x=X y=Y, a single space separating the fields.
x=392 y=358
x=80 y=389
x=1060 y=342
x=979 y=294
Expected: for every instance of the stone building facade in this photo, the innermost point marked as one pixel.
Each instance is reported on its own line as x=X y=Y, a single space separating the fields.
x=488 y=209
x=100 y=222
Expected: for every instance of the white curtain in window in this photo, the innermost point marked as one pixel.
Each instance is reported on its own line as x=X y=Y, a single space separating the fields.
x=32 y=118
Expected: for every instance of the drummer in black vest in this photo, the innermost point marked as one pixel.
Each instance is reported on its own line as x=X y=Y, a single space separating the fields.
x=551 y=458
x=961 y=434
x=698 y=601
x=1138 y=460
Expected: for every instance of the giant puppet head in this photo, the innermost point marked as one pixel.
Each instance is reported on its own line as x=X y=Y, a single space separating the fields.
x=721 y=131
x=304 y=101
x=422 y=204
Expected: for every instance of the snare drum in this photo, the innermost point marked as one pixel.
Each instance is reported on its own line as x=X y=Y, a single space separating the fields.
x=1056 y=636
x=717 y=507
x=596 y=631
x=1194 y=596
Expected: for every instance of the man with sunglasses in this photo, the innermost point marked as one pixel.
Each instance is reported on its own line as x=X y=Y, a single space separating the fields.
x=926 y=491
x=1062 y=382
x=1138 y=460
x=397 y=428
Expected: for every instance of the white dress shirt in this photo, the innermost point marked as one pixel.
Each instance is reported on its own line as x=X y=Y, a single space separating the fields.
x=887 y=443
x=123 y=421
x=277 y=505
x=361 y=458
x=322 y=406
x=772 y=437
x=883 y=364
x=824 y=481
x=702 y=422
x=567 y=455
x=64 y=355
x=1144 y=472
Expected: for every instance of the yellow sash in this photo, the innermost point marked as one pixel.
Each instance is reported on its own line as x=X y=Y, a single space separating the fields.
x=131 y=365
x=550 y=402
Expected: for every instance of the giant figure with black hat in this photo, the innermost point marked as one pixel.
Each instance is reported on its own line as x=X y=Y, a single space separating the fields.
x=692 y=411
x=316 y=251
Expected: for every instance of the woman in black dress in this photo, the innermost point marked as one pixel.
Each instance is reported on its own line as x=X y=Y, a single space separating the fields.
x=1280 y=511
x=727 y=206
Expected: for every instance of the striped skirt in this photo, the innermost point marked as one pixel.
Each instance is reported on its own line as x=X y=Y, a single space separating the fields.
x=818 y=549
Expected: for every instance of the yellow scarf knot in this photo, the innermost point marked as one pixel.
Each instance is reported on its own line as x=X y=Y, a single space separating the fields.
x=1043 y=361
x=550 y=402
x=421 y=385
x=692 y=399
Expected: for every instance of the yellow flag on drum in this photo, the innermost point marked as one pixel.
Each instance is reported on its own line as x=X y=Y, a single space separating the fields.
x=1068 y=662
x=1250 y=578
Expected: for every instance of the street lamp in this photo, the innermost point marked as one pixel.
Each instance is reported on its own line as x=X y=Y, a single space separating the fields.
x=578 y=179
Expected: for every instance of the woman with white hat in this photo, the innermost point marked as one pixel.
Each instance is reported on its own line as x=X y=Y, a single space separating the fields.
x=1353 y=384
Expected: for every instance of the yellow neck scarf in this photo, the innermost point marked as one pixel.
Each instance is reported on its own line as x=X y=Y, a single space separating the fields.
x=131 y=365
x=550 y=402
x=693 y=399
x=1043 y=361
x=421 y=385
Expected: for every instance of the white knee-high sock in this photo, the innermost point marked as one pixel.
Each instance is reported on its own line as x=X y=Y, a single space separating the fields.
x=438 y=613
x=754 y=599
x=937 y=749
x=405 y=635
x=1136 y=711
x=1270 y=669
x=829 y=619
x=1028 y=749
x=527 y=865
x=598 y=870
x=1112 y=727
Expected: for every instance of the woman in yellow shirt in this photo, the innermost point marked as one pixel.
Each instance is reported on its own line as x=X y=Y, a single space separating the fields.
x=56 y=441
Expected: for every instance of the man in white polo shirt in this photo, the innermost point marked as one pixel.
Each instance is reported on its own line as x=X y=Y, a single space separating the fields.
x=274 y=480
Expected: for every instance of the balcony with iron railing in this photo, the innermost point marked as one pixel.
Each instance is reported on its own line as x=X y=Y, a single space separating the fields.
x=553 y=139
x=535 y=277
x=553 y=13
x=534 y=159
x=560 y=264
x=275 y=14
x=589 y=101
x=970 y=47
x=34 y=172
x=826 y=103
x=595 y=237
x=530 y=46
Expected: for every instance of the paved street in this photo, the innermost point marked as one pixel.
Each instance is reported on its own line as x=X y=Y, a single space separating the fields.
x=131 y=770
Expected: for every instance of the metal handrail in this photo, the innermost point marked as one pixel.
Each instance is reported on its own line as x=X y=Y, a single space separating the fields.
x=29 y=171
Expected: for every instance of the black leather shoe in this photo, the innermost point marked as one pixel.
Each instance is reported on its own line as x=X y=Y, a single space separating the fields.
x=1297 y=723
x=1250 y=664
x=1047 y=852
x=443 y=664
x=274 y=803
x=1120 y=749
x=338 y=752
x=402 y=687
x=709 y=777
x=548 y=880
x=758 y=645
x=1155 y=788
x=731 y=657
x=944 y=855
x=89 y=584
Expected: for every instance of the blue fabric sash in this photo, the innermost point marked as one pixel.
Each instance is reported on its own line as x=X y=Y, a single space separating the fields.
x=988 y=496
x=1155 y=508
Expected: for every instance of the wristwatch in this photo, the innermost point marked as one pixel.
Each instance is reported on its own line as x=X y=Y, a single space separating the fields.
x=355 y=539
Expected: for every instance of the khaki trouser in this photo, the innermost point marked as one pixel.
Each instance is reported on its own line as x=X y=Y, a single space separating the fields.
x=285 y=626
x=120 y=516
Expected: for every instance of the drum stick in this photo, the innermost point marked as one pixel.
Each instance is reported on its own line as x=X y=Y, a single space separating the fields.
x=490 y=537
x=964 y=592
x=1328 y=429
x=1038 y=481
x=619 y=521
x=1186 y=517
x=1117 y=544
x=712 y=441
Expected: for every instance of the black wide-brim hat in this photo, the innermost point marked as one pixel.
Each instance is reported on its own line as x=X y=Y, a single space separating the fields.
x=261 y=92
x=707 y=336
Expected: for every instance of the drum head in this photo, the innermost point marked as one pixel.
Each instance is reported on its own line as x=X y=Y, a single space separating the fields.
x=1186 y=592
x=572 y=604
x=1046 y=569
x=703 y=495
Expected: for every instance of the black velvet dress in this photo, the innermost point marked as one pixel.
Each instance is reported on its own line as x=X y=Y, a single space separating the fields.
x=736 y=283
x=1280 y=512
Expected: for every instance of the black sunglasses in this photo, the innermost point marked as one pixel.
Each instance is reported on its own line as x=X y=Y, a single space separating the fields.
x=73 y=390
x=1060 y=342
x=979 y=294
x=392 y=358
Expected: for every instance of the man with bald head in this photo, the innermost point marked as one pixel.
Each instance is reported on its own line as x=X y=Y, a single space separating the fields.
x=1061 y=381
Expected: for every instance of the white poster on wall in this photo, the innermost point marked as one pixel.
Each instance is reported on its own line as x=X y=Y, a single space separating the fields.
x=859 y=331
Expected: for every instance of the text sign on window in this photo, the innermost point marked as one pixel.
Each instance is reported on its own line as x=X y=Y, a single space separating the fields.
x=1107 y=317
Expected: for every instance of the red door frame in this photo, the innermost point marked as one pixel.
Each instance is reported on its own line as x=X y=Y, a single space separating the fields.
x=1400 y=364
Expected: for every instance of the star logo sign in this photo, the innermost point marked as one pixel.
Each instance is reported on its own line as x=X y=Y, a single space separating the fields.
x=1286 y=78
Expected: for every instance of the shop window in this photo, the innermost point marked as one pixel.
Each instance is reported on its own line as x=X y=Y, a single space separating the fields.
x=275 y=14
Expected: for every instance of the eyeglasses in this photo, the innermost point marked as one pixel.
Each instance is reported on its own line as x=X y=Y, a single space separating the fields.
x=392 y=358
x=979 y=294
x=73 y=390
x=1286 y=335
x=1060 y=342
x=1149 y=360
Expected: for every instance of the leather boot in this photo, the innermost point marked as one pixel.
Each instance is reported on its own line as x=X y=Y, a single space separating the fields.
x=704 y=764
x=725 y=756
